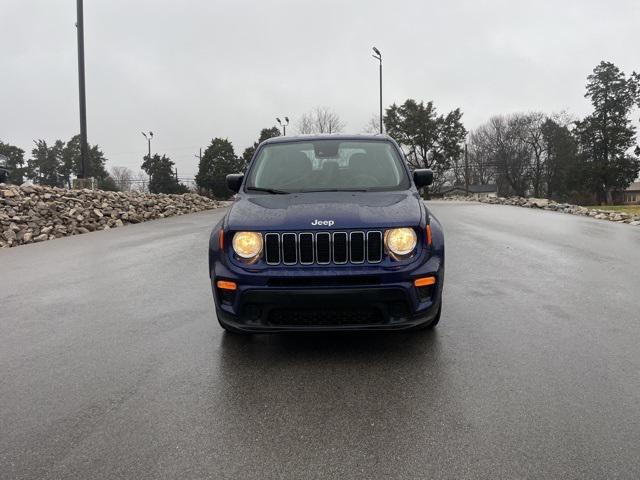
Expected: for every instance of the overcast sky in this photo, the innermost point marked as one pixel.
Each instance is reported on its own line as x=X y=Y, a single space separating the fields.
x=196 y=69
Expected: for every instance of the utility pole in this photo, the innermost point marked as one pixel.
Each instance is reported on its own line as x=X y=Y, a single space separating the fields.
x=199 y=156
x=283 y=125
x=82 y=93
x=148 y=137
x=466 y=169
x=378 y=56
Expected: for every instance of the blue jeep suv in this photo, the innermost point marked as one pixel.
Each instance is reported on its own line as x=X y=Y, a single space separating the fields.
x=327 y=232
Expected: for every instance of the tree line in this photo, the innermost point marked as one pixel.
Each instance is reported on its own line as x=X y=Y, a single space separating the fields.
x=530 y=153
x=55 y=164
x=554 y=156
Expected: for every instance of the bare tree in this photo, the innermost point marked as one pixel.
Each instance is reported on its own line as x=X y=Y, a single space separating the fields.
x=456 y=174
x=564 y=118
x=529 y=131
x=320 y=120
x=123 y=177
x=500 y=144
x=514 y=151
x=513 y=156
x=141 y=182
x=373 y=125
x=480 y=154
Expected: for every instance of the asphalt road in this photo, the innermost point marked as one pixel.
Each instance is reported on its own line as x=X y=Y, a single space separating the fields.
x=113 y=365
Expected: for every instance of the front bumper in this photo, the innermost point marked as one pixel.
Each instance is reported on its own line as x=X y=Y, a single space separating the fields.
x=328 y=299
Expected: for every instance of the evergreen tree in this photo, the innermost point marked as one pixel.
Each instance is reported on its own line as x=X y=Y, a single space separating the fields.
x=14 y=162
x=562 y=172
x=71 y=163
x=606 y=136
x=56 y=165
x=265 y=134
x=429 y=140
x=218 y=160
x=44 y=166
x=162 y=178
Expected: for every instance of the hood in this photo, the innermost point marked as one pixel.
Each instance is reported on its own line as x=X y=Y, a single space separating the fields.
x=316 y=211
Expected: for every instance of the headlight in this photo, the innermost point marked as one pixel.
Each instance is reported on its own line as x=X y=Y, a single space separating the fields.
x=247 y=245
x=400 y=241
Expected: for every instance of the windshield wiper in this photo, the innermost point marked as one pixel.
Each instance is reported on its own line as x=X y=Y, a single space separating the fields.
x=268 y=190
x=335 y=190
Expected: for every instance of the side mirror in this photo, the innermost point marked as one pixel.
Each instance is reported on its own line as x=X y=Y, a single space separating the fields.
x=422 y=177
x=234 y=181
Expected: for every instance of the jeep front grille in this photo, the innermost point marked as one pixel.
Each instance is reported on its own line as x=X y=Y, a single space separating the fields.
x=323 y=248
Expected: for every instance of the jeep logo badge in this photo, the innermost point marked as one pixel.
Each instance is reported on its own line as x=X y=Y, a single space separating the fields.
x=328 y=223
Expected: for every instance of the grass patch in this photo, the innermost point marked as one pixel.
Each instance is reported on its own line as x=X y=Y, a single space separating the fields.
x=630 y=209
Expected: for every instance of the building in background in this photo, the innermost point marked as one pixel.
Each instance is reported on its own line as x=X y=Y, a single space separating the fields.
x=630 y=196
x=4 y=169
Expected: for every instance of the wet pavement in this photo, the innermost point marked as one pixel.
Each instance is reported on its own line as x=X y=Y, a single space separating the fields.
x=113 y=365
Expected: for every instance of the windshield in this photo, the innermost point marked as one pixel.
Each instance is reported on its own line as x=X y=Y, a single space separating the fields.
x=328 y=165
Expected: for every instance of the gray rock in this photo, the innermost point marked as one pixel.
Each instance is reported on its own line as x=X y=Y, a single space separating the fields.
x=37 y=213
x=539 y=202
x=9 y=235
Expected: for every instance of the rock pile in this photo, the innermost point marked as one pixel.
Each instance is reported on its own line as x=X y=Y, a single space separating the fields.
x=36 y=213
x=543 y=203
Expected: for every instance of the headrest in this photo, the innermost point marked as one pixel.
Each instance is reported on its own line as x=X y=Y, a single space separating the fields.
x=298 y=163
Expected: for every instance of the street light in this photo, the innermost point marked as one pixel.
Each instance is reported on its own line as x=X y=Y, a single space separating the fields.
x=283 y=125
x=148 y=137
x=378 y=56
